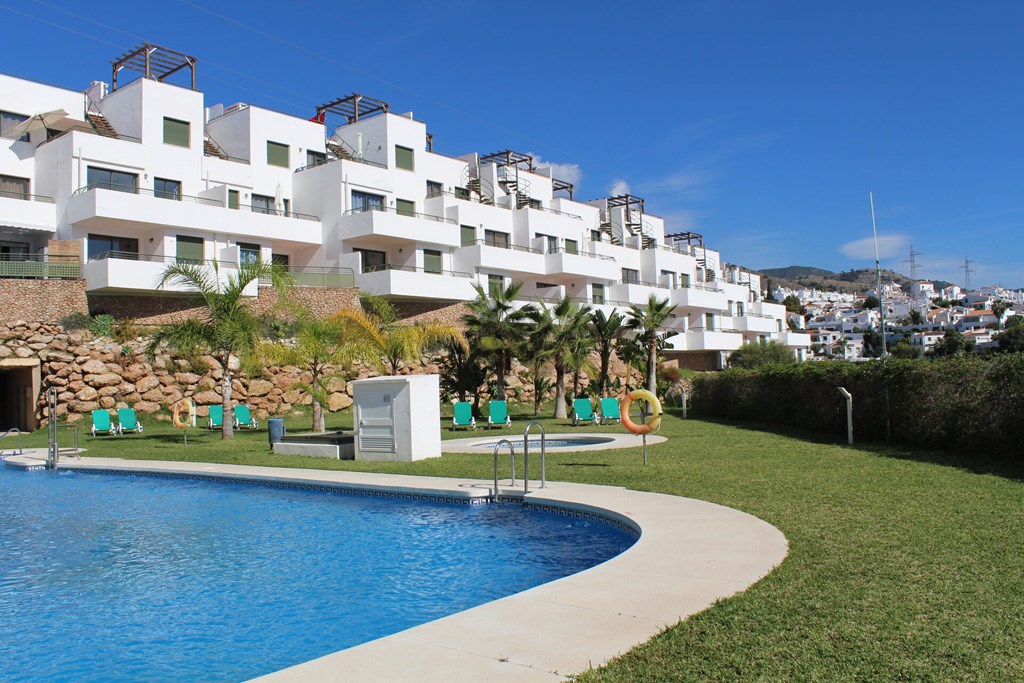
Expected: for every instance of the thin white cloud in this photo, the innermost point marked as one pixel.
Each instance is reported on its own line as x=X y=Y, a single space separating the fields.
x=889 y=246
x=570 y=173
x=618 y=186
x=685 y=185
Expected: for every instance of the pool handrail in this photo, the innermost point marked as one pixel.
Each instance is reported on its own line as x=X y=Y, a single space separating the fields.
x=512 y=459
x=526 y=456
x=21 y=439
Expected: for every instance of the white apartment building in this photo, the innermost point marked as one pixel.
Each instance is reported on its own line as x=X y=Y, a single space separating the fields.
x=145 y=172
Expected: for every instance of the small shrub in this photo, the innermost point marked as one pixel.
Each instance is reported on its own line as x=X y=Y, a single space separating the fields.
x=75 y=322
x=102 y=325
x=125 y=331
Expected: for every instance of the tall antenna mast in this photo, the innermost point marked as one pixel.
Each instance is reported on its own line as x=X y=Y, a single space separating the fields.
x=912 y=262
x=966 y=267
x=878 y=273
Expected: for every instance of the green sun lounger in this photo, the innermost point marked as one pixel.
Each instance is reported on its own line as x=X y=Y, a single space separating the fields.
x=216 y=417
x=244 y=418
x=127 y=421
x=498 y=414
x=462 y=415
x=101 y=423
x=582 y=411
x=609 y=409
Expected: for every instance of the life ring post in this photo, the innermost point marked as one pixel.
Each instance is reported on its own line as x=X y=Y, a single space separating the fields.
x=652 y=423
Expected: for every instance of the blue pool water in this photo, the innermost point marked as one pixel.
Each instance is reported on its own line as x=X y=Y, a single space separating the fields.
x=121 y=577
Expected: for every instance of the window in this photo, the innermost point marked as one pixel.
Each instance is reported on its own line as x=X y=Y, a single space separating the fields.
x=595 y=235
x=280 y=260
x=403 y=207
x=493 y=238
x=739 y=309
x=684 y=279
x=106 y=179
x=277 y=154
x=571 y=247
x=232 y=199
x=535 y=203
x=13 y=187
x=668 y=278
x=122 y=246
x=167 y=189
x=597 y=293
x=630 y=276
x=709 y=322
x=9 y=120
x=434 y=188
x=431 y=261
x=261 y=203
x=550 y=242
x=315 y=158
x=404 y=158
x=495 y=283
x=176 y=132
x=189 y=249
x=364 y=201
x=13 y=251
x=461 y=193
x=248 y=253
x=287 y=206
x=468 y=235
x=371 y=260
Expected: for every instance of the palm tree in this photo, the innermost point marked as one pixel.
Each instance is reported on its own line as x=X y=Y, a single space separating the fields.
x=605 y=328
x=394 y=343
x=499 y=326
x=647 y=322
x=318 y=346
x=632 y=354
x=229 y=331
x=578 y=361
x=536 y=353
x=999 y=307
x=567 y=322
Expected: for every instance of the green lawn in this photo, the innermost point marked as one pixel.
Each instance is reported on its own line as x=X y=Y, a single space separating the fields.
x=902 y=566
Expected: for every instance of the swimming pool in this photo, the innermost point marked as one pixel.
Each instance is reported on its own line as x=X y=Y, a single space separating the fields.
x=554 y=443
x=127 y=577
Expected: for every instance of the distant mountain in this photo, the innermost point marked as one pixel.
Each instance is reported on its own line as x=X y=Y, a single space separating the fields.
x=794 y=272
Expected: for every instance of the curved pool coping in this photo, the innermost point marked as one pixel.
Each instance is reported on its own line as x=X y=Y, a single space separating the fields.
x=690 y=553
x=618 y=441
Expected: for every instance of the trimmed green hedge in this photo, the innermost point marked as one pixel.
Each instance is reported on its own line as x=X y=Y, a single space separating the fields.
x=969 y=404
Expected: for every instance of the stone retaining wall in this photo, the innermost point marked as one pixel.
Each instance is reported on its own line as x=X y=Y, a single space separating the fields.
x=41 y=300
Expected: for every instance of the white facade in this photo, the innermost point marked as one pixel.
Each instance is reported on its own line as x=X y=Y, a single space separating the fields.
x=176 y=179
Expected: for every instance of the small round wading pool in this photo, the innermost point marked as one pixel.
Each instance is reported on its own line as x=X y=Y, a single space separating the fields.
x=553 y=443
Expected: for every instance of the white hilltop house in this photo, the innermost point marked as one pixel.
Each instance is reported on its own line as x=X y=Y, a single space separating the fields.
x=144 y=172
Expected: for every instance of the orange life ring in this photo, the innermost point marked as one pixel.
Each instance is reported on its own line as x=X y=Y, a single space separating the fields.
x=189 y=408
x=653 y=422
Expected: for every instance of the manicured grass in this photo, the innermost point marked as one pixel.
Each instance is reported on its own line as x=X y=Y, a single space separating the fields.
x=900 y=568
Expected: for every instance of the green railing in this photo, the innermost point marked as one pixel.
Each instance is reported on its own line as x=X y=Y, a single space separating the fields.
x=40 y=266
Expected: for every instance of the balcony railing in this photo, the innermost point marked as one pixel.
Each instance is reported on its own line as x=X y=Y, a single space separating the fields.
x=414 y=269
x=464 y=196
x=352 y=159
x=545 y=209
x=158 y=258
x=643 y=283
x=14 y=194
x=40 y=266
x=312 y=276
x=400 y=212
x=577 y=252
x=506 y=245
x=174 y=196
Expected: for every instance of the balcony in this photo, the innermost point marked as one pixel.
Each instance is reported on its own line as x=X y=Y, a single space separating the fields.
x=756 y=322
x=312 y=276
x=28 y=211
x=637 y=291
x=130 y=273
x=495 y=256
x=700 y=339
x=40 y=267
x=699 y=296
x=104 y=207
x=390 y=225
x=568 y=264
x=416 y=283
x=800 y=340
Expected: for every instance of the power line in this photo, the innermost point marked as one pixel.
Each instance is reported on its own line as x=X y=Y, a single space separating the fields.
x=966 y=267
x=912 y=261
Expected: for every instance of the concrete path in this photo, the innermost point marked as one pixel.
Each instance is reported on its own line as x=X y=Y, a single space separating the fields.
x=690 y=554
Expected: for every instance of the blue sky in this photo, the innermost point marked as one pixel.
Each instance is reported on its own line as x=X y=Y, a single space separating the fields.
x=762 y=125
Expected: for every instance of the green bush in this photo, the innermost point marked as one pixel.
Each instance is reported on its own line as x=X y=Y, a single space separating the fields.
x=102 y=325
x=75 y=321
x=969 y=404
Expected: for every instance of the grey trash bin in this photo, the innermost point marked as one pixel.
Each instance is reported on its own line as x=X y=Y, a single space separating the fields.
x=275 y=430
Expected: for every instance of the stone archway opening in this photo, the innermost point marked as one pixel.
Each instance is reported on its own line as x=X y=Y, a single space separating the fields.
x=19 y=393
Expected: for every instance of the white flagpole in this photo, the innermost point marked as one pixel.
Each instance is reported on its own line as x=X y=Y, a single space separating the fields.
x=878 y=272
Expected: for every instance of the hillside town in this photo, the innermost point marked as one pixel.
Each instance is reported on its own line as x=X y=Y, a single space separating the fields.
x=848 y=326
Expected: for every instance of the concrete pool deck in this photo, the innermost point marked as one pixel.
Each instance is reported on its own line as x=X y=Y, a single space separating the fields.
x=615 y=441
x=690 y=553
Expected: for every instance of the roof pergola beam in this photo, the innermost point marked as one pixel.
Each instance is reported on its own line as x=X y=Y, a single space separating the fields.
x=153 y=62
x=353 y=107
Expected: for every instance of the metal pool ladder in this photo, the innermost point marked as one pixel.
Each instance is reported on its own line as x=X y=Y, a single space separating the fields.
x=512 y=458
x=21 y=440
x=526 y=456
x=52 y=432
